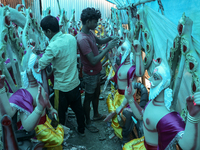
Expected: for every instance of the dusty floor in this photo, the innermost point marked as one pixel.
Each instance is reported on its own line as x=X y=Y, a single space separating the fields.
x=92 y=141
x=95 y=141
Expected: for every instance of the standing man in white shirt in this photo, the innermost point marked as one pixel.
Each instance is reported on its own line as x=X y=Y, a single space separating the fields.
x=62 y=53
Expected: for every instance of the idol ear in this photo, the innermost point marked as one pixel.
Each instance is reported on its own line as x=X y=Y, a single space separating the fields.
x=167 y=83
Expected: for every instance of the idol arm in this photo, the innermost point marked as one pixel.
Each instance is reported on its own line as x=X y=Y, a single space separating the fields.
x=42 y=101
x=5 y=107
x=191 y=136
x=139 y=65
x=135 y=107
x=138 y=59
x=34 y=118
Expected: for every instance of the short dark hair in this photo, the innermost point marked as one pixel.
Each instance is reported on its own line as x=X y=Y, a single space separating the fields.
x=90 y=14
x=51 y=23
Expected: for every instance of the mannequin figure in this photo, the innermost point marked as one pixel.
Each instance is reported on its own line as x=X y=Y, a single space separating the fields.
x=31 y=102
x=165 y=129
x=126 y=71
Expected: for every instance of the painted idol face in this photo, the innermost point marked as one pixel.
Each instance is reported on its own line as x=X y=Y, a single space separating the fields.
x=33 y=65
x=125 y=50
x=155 y=79
x=159 y=80
x=157 y=84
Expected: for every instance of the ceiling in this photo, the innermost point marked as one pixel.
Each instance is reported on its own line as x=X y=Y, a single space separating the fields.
x=121 y=2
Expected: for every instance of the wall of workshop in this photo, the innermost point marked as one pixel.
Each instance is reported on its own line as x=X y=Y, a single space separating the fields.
x=38 y=5
x=78 y=5
x=33 y=4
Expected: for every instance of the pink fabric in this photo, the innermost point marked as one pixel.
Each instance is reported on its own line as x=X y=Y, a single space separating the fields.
x=86 y=44
x=131 y=74
x=168 y=127
x=23 y=99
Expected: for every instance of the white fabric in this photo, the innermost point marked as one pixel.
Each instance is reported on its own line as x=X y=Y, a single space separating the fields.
x=162 y=29
x=173 y=10
x=168 y=98
x=25 y=81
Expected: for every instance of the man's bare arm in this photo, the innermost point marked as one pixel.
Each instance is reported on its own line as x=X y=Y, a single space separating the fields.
x=95 y=59
x=102 y=41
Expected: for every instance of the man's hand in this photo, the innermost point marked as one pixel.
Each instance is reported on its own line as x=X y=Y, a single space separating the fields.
x=114 y=38
x=41 y=102
x=2 y=79
x=113 y=43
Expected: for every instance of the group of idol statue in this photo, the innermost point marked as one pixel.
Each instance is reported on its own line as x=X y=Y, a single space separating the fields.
x=166 y=117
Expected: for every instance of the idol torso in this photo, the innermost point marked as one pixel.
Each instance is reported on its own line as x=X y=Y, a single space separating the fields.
x=154 y=111
x=122 y=76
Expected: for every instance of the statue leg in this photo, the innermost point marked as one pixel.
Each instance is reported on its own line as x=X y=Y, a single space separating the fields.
x=38 y=146
x=139 y=127
x=127 y=126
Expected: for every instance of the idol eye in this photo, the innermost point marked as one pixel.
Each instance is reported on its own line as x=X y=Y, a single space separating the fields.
x=156 y=77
